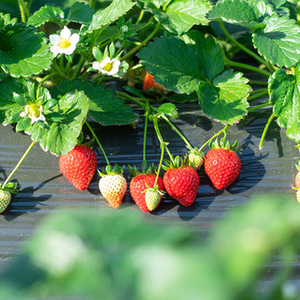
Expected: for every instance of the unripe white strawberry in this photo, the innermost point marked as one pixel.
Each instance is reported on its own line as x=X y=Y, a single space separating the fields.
x=153 y=197
x=195 y=159
x=113 y=185
x=5 y=198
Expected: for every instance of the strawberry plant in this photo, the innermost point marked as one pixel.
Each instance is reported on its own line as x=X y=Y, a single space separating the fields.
x=65 y=65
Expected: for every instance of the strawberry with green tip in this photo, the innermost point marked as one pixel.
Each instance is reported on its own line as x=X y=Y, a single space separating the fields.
x=153 y=197
x=181 y=181
x=222 y=164
x=195 y=158
x=140 y=183
x=113 y=185
x=5 y=195
x=79 y=166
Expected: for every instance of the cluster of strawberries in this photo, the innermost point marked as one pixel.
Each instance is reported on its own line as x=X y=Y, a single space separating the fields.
x=147 y=188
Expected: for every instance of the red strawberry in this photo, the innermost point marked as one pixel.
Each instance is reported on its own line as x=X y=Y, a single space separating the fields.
x=79 y=166
x=139 y=185
x=150 y=83
x=181 y=182
x=113 y=185
x=222 y=164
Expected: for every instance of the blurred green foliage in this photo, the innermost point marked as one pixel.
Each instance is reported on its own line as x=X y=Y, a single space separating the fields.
x=123 y=255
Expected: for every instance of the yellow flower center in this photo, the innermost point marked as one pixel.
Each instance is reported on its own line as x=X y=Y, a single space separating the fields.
x=33 y=109
x=64 y=43
x=108 y=67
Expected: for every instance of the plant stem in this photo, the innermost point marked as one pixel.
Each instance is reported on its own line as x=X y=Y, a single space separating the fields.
x=98 y=142
x=41 y=84
x=243 y=48
x=160 y=138
x=24 y=10
x=224 y=130
x=162 y=147
x=135 y=49
x=258 y=107
x=177 y=131
x=245 y=66
x=18 y=165
x=265 y=131
x=257 y=82
x=128 y=97
x=258 y=95
x=145 y=135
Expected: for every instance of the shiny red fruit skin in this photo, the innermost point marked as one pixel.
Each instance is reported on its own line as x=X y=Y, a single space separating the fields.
x=138 y=185
x=182 y=184
x=222 y=167
x=150 y=83
x=79 y=166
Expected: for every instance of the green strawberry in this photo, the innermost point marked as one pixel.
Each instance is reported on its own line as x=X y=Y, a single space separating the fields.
x=153 y=197
x=195 y=158
x=5 y=197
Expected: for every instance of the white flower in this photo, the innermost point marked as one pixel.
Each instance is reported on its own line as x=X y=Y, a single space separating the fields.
x=107 y=66
x=34 y=112
x=65 y=43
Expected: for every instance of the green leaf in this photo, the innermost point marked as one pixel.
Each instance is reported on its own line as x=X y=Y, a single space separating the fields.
x=104 y=106
x=45 y=14
x=80 y=13
x=60 y=137
x=225 y=100
x=23 y=124
x=285 y=95
x=110 y=14
x=235 y=12
x=175 y=65
x=169 y=109
x=23 y=51
x=279 y=41
x=209 y=52
x=181 y=15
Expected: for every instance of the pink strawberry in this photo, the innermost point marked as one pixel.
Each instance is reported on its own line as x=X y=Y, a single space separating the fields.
x=181 y=181
x=79 y=166
x=113 y=185
x=222 y=164
x=139 y=185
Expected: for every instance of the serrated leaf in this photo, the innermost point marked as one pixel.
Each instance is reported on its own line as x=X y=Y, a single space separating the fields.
x=225 y=100
x=110 y=14
x=169 y=109
x=60 y=137
x=209 y=52
x=279 y=41
x=45 y=14
x=285 y=95
x=80 y=13
x=235 y=12
x=104 y=106
x=175 y=65
x=23 y=51
x=181 y=15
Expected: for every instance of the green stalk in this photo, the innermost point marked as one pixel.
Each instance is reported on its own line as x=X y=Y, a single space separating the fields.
x=260 y=93
x=265 y=131
x=162 y=147
x=143 y=43
x=257 y=82
x=224 y=130
x=251 y=109
x=160 y=138
x=245 y=66
x=79 y=67
x=41 y=84
x=243 y=48
x=177 y=131
x=132 y=99
x=97 y=140
x=145 y=135
x=24 y=11
x=18 y=165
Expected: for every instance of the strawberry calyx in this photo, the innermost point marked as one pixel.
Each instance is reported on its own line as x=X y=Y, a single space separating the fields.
x=10 y=187
x=109 y=170
x=175 y=163
x=144 y=170
x=224 y=144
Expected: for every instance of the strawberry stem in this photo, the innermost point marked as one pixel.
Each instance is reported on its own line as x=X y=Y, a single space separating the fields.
x=162 y=147
x=224 y=130
x=177 y=131
x=145 y=133
x=265 y=131
x=17 y=165
x=97 y=140
x=160 y=138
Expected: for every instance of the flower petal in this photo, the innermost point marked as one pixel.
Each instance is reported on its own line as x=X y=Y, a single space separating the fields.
x=96 y=65
x=74 y=39
x=65 y=33
x=54 y=39
x=104 y=62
